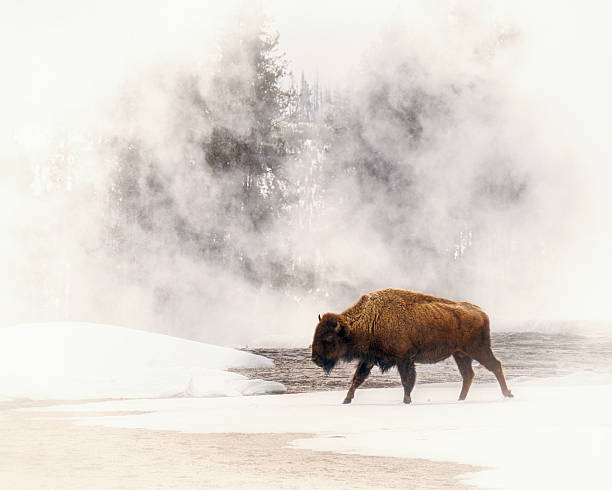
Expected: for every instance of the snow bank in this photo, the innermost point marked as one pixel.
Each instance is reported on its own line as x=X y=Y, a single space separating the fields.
x=84 y=361
x=553 y=434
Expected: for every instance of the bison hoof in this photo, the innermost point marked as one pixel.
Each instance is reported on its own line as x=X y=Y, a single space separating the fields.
x=347 y=401
x=509 y=395
x=407 y=400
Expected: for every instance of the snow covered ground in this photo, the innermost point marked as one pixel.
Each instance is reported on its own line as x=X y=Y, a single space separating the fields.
x=71 y=361
x=555 y=433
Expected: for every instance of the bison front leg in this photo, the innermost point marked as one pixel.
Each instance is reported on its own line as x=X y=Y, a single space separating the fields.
x=408 y=374
x=361 y=374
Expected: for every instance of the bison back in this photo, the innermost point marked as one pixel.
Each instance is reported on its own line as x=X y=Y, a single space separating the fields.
x=428 y=328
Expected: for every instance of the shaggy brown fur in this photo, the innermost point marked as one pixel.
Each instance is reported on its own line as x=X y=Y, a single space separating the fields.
x=394 y=327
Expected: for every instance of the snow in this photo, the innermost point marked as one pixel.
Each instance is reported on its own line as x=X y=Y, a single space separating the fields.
x=67 y=361
x=553 y=434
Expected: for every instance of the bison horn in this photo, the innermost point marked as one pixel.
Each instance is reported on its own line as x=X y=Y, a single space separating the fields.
x=319 y=317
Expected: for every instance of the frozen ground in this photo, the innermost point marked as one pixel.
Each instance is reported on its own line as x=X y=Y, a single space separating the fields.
x=67 y=361
x=553 y=434
x=39 y=452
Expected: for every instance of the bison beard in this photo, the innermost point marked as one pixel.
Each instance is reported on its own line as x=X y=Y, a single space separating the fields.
x=394 y=327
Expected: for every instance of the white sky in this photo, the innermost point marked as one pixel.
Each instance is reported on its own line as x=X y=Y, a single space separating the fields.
x=328 y=38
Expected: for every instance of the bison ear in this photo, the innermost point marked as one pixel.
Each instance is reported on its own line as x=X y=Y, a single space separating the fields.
x=341 y=329
x=319 y=317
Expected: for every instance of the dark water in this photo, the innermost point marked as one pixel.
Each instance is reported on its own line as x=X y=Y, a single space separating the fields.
x=528 y=354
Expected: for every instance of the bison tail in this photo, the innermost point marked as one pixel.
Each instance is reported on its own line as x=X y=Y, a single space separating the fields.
x=486 y=331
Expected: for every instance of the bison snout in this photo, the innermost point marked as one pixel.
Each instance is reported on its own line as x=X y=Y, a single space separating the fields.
x=326 y=364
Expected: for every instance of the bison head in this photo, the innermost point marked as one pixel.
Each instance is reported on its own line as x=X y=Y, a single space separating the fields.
x=330 y=341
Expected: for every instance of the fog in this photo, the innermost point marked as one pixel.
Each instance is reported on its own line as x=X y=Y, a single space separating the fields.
x=483 y=128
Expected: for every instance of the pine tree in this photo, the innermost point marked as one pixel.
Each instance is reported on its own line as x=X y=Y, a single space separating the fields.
x=248 y=103
x=305 y=100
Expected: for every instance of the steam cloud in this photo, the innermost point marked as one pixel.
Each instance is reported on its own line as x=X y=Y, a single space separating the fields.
x=484 y=132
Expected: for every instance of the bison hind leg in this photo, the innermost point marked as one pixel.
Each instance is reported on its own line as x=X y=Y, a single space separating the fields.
x=487 y=359
x=464 y=363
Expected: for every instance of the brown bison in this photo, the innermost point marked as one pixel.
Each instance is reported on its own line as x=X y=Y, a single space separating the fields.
x=394 y=327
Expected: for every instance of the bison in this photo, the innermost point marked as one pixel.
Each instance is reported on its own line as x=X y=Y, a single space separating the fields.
x=394 y=327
